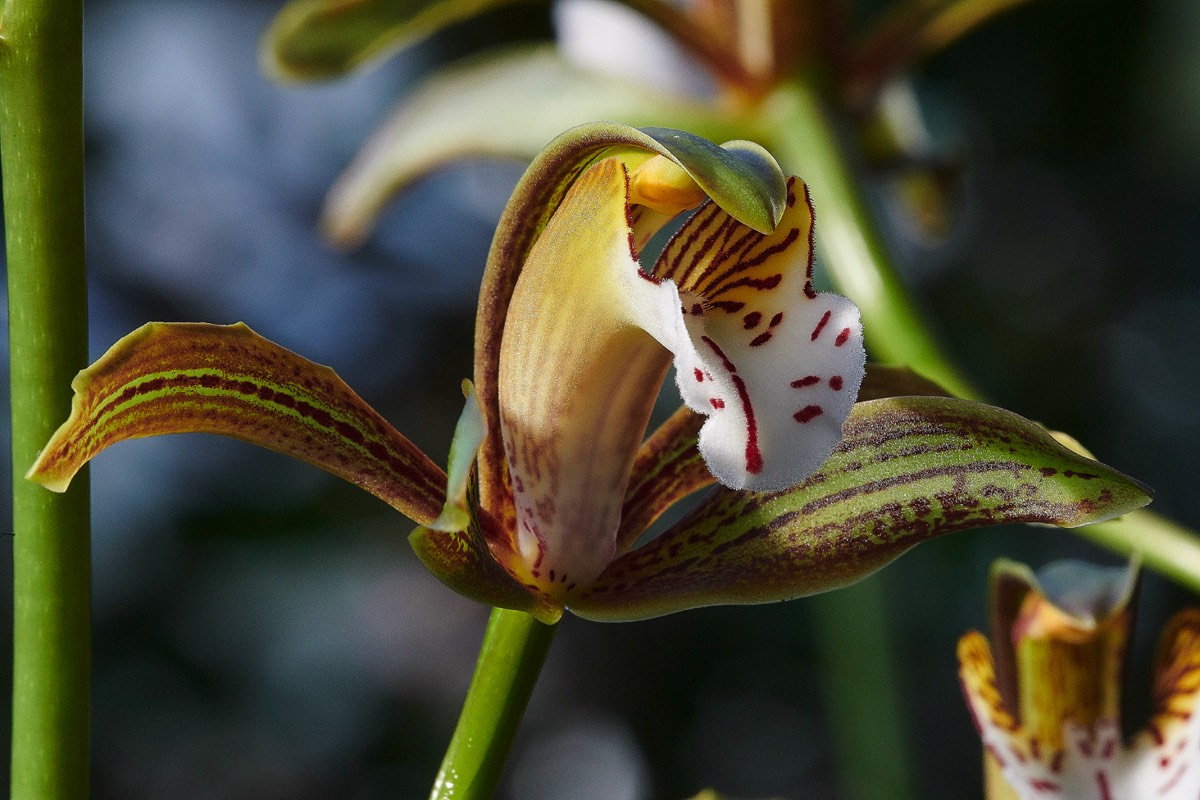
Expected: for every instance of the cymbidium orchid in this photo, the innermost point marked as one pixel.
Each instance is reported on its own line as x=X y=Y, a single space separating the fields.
x=574 y=338
x=1048 y=703
x=551 y=483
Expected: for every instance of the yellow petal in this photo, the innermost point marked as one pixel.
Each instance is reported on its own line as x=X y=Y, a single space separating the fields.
x=578 y=378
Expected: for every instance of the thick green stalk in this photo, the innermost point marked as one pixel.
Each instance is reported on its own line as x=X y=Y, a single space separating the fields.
x=41 y=147
x=514 y=649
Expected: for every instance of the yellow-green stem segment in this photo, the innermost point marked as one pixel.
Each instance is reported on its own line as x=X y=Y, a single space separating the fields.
x=514 y=649
x=41 y=147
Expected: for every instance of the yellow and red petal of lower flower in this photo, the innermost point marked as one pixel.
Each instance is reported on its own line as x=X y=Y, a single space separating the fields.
x=226 y=379
x=1092 y=760
x=908 y=469
x=1173 y=734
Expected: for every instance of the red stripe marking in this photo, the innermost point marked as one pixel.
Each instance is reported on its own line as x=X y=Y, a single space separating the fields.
x=808 y=413
x=754 y=459
x=821 y=325
x=751 y=320
x=717 y=403
x=807 y=380
x=761 y=339
x=842 y=338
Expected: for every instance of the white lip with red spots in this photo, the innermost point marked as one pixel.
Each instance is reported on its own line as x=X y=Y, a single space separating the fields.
x=774 y=364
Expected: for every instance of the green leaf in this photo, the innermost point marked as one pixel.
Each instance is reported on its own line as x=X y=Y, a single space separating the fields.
x=909 y=469
x=226 y=379
x=322 y=39
x=745 y=181
x=883 y=381
x=507 y=103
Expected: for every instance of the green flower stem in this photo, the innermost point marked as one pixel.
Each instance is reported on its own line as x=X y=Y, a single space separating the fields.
x=41 y=147
x=514 y=649
x=808 y=144
x=867 y=717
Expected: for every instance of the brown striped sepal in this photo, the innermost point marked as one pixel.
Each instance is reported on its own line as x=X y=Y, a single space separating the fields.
x=739 y=177
x=669 y=466
x=226 y=379
x=908 y=469
x=1047 y=703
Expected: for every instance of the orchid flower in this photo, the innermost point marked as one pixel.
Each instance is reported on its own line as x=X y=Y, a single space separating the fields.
x=551 y=481
x=1047 y=705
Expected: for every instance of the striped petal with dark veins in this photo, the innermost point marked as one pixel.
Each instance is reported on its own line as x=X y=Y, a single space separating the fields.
x=908 y=469
x=226 y=379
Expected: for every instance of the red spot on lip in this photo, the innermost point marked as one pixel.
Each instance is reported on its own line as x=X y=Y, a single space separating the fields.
x=807 y=380
x=807 y=414
x=821 y=325
x=717 y=403
x=699 y=375
x=775 y=320
x=751 y=320
x=762 y=338
x=842 y=338
x=835 y=383
x=696 y=309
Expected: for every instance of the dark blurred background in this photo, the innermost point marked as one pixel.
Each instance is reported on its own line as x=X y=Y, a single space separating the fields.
x=262 y=630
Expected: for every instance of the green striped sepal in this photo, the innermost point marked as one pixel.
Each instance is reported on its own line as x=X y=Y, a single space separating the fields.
x=908 y=469
x=322 y=39
x=226 y=379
